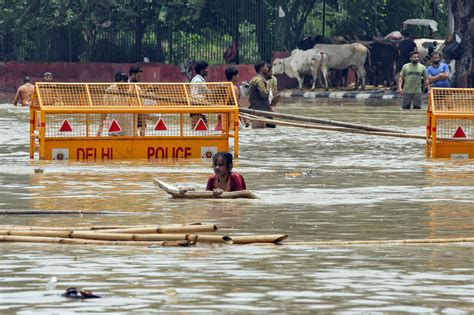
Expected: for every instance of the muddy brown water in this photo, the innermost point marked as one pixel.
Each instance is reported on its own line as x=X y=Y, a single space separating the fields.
x=314 y=185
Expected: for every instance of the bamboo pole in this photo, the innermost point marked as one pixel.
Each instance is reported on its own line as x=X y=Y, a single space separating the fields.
x=121 y=237
x=32 y=239
x=82 y=228
x=275 y=239
x=40 y=212
x=168 y=229
x=347 y=130
x=312 y=120
x=385 y=242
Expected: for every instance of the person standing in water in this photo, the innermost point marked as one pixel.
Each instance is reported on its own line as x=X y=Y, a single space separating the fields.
x=232 y=75
x=224 y=179
x=259 y=91
x=438 y=72
x=199 y=91
x=116 y=95
x=410 y=84
x=274 y=96
x=24 y=92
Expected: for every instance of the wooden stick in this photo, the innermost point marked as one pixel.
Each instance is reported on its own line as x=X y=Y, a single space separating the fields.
x=312 y=120
x=31 y=239
x=121 y=237
x=80 y=228
x=30 y=212
x=258 y=239
x=386 y=242
x=204 y=194
x=168 y=229
x=375 y=133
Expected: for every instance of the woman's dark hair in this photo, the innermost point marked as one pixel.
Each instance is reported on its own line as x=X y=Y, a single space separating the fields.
x=200 y=65
x=121 y=77
x=226 y=156
x=230 y=72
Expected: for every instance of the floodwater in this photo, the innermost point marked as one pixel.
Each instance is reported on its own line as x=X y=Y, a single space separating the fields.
x=314 y=185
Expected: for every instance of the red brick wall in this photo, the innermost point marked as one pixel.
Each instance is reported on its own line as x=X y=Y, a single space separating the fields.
x=11 y=73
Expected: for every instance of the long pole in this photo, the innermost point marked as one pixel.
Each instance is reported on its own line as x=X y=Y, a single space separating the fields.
x=312 y=120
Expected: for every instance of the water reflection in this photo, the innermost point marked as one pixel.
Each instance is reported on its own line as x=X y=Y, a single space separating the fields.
x=314 y=185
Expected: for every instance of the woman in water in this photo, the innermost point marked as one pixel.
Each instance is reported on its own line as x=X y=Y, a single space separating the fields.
x=224 y=179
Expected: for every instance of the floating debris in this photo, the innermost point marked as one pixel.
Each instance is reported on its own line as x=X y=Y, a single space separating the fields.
x=73 y=293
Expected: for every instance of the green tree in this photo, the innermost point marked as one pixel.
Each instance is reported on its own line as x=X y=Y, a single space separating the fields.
x=296 y=13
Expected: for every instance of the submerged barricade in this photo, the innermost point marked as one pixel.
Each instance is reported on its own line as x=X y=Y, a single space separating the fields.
x=450 y=123
x=109 y=121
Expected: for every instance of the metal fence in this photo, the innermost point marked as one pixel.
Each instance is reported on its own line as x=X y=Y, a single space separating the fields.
x=249 y=23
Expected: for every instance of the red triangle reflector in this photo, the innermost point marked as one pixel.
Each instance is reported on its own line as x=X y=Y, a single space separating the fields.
x=459 y=133
x=114 y=127
x=65 y=126
x=160 y=125
x=201 y=125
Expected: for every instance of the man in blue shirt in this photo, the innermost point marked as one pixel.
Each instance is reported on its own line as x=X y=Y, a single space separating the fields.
x=438 y=72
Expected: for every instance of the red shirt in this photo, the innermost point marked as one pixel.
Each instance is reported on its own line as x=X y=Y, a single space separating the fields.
x=235 y=182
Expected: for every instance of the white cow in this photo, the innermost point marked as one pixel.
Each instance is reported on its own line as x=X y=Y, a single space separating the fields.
x=343 y=56
x=423 y=44
x=299 y=63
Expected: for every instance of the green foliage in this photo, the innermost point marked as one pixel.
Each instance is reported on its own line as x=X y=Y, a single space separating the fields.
x=380 y=17
x=173 y=30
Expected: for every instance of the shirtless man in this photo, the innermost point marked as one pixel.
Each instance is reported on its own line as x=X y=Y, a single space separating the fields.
x=24 y=92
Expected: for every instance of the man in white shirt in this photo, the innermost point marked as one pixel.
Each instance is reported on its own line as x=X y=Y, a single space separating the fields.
x=199 y=91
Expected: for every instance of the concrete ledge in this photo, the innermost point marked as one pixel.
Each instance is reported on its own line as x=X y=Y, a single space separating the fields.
x=379 y=94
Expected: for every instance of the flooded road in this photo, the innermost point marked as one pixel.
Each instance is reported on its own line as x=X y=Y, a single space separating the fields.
x=314 y=185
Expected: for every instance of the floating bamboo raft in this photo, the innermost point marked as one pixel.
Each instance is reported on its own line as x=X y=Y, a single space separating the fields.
x=166 y=235
x=202 y=194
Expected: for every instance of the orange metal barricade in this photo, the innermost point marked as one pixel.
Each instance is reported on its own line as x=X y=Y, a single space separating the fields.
x=106 y=121
x=450 y=123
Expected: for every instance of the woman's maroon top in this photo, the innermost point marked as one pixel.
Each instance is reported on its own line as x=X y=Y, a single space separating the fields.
x=235 y=182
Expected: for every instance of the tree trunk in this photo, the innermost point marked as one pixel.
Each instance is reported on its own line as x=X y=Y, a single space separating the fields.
x=463 y=13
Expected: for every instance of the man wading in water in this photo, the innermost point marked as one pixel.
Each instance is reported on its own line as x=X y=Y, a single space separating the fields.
x=410 y=79
x=259 y=91
x=135 y=76
x=24 y=92
x=199 y=91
